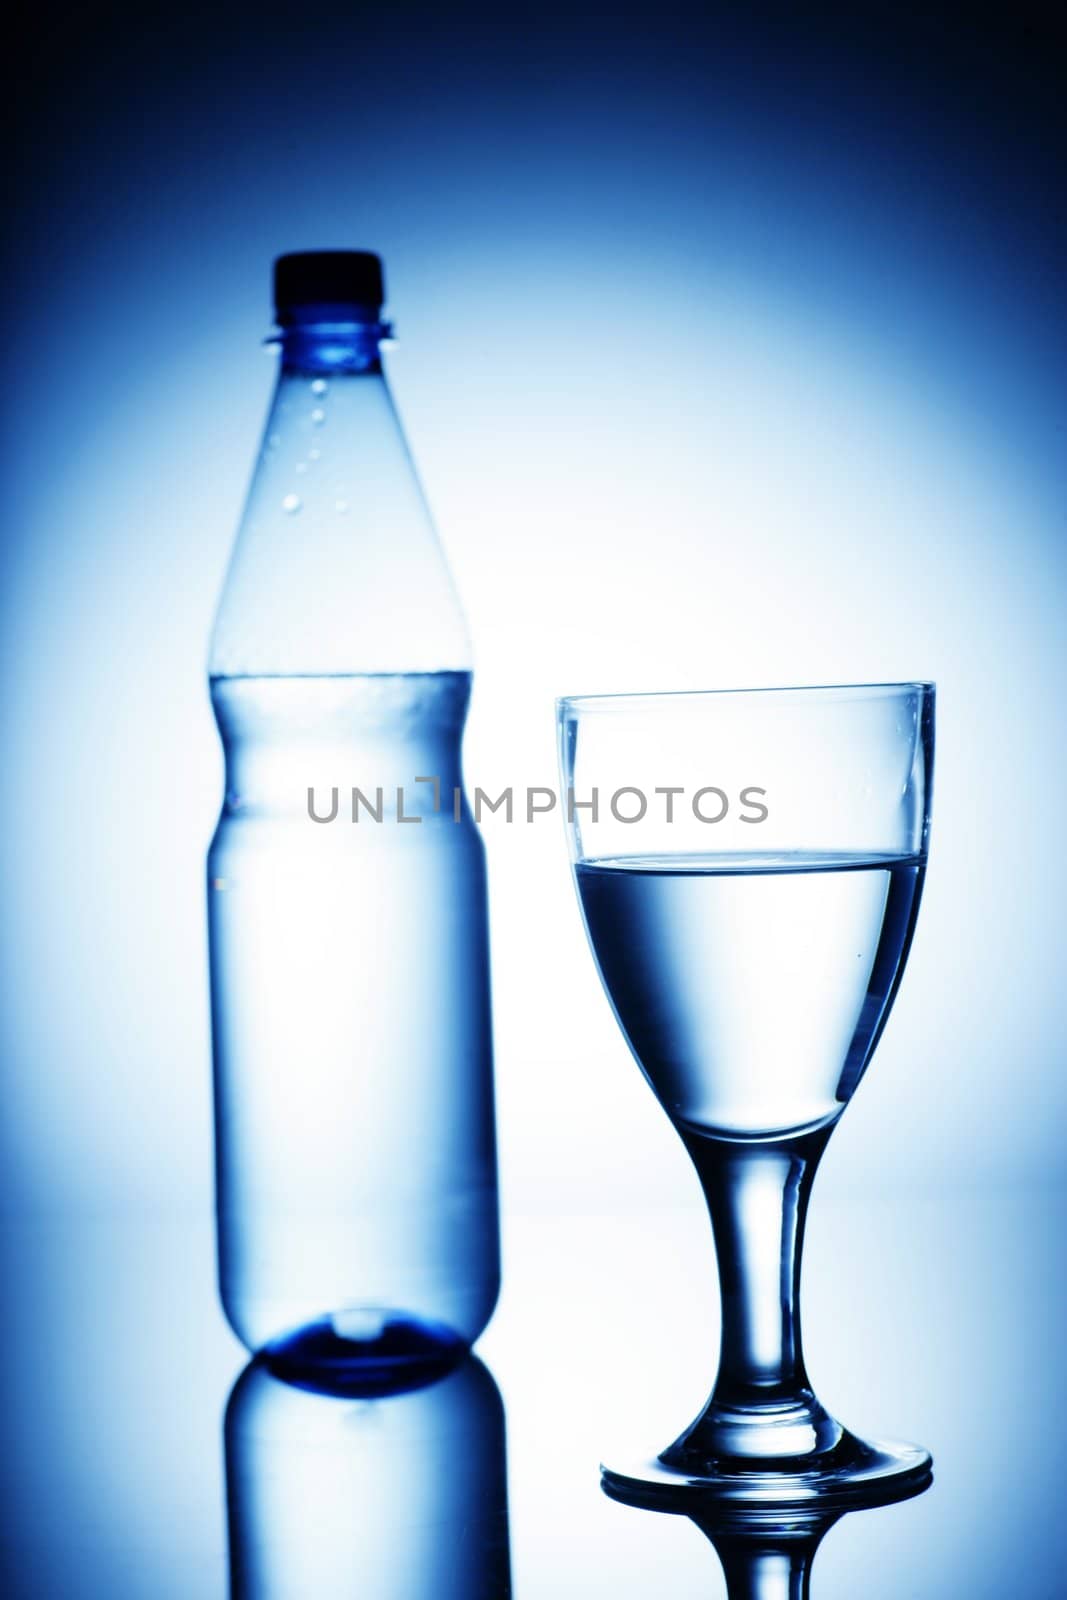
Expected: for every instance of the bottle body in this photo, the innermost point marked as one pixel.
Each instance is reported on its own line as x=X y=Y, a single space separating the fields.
x=356 y=1179
x=355 y=1150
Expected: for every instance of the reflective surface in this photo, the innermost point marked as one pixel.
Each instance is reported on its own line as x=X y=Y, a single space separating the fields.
x=940 y=1314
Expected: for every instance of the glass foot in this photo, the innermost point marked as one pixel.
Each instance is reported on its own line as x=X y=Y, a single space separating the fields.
x=849 y=1475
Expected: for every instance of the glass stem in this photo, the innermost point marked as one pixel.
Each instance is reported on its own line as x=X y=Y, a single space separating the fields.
x=762 y=1404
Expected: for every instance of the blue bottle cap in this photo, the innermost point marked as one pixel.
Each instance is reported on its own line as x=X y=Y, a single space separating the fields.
x=333 y=285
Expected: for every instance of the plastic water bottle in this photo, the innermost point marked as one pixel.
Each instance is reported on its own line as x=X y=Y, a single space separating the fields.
x=355 y=1150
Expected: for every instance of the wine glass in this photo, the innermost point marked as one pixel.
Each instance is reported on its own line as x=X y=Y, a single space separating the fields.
x=749 y=865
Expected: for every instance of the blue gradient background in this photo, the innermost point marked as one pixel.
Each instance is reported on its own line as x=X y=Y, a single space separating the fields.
x=732 y=351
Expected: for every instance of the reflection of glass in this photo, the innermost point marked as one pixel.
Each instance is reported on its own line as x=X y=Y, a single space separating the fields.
x=767 y=1554
x=749 y=867
x=385 y=1492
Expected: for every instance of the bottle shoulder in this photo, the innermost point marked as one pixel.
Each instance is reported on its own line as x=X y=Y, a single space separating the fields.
x=337 y=568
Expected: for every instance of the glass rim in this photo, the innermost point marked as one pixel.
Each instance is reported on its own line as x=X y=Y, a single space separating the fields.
x=619 y=701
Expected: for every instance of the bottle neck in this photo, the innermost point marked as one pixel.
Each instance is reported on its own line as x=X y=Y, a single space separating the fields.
x=325 y=348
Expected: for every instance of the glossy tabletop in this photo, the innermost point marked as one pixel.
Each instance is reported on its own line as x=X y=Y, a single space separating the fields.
x=138 y=1461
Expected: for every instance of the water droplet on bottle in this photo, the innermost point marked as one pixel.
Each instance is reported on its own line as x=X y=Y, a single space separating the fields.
x=318 y=417
x=292 y=503
x=341 y=506
x=318 y=386
x=274 y=441
x=301 y=466
x=314 y=453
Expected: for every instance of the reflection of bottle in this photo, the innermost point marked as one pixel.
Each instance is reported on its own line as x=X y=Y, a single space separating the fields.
x=398 y=1495
x=356 y=1167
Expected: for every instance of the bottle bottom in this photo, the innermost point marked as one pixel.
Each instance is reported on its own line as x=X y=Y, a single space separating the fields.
x=364 y=1351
